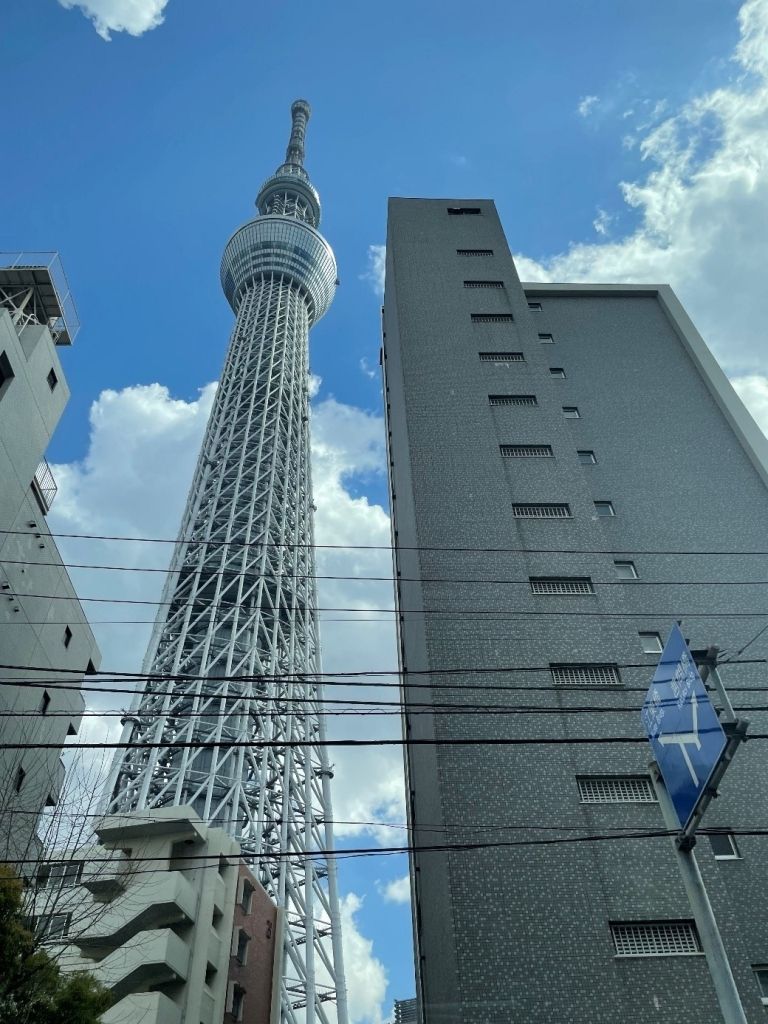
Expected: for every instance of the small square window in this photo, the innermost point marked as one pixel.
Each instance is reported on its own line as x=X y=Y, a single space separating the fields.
x=586 y=457
x=535 y=307
x=724 y=846
x=67 y=636
x=52 y=379
x=571 y=412
x=650 y=643
x=557 y=371
x=761 y=976
x=605 y=508
x=626 y=570
x=546 y=339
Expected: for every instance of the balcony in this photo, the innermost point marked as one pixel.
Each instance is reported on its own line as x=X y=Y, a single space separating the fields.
x=148 y=959
x=34 y=289
x=147 y=1007
x=44 y=487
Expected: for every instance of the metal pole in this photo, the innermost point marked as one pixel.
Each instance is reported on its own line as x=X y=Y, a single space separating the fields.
x=701 y=908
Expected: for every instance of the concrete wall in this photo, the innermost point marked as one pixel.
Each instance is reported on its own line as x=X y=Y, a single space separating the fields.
x=32 y=628
x=522 y=932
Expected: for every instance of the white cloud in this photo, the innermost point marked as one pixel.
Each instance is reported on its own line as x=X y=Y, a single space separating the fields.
x=366 y=976
x=132 y=16
x=602 y=222
x=367 y=369
x=701 y=209
x=376 y=257
x=587 y=105
x=753 y=391
x=397 y=891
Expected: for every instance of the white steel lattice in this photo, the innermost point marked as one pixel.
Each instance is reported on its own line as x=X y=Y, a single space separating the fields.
x=240 y=604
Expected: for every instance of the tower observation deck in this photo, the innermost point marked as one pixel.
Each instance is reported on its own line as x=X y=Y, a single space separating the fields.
x=228 y=720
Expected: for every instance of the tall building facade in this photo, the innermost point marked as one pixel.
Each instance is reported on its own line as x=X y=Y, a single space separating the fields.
x=571 y=473
x=228 y=722
x=43 y=628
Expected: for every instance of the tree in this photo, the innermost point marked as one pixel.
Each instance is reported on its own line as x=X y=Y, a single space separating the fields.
x=32 y=988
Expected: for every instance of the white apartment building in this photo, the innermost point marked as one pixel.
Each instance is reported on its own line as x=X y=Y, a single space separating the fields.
x=42 y=624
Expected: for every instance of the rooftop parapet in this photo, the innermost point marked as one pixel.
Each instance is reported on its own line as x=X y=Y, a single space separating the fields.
x=35 y=290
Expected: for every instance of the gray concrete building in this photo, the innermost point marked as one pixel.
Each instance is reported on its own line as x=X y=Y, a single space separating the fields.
x=571 y=473
x=42 y=624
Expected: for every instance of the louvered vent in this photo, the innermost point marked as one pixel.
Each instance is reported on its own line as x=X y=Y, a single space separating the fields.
x=483 y=284
x=585 y=674
x=567 y=585
x=502 y=357
x=656 y=938
x=616 y=789
x=474 y=252
x=561 y=511
x=512 y=399
x=526 y=451
x=492 y=318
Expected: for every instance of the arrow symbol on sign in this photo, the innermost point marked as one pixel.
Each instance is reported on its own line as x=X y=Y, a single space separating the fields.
x=686 y=739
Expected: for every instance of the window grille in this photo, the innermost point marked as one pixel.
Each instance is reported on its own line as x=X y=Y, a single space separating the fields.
x=492 y=318
x=502 y=357
x=474 y=252
x=512 y=399
x=656 y=938
x=50 y=927
x=567 y=585
x=483 y=284
x=617 y=789
x=59 y=874
x=541 y=511
x=526 y=451
x=464 y=211
x=586 y=674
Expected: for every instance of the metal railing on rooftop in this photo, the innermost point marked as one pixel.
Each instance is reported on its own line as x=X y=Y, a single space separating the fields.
x=67 y=323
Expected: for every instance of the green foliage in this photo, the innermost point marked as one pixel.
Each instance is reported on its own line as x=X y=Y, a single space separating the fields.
x=32 y=989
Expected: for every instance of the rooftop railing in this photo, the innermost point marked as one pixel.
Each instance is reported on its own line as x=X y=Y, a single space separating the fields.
x=43 y=273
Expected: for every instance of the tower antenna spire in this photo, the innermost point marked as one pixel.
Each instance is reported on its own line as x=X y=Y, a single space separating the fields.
x=300 y=114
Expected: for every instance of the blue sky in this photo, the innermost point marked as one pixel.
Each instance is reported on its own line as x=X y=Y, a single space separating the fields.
x=137 y=158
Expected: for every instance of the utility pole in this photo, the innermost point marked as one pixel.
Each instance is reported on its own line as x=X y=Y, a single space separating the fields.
x=684 y=840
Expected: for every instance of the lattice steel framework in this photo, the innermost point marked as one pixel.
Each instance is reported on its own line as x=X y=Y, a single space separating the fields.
x=240 y=602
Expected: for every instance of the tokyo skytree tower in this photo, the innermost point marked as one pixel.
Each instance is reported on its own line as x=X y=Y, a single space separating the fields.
x=234 y=656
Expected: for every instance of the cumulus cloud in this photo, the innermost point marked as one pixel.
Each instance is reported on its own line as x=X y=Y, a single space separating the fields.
x=132 y=16
x=374 y=272
x=397 y=891
x=701 y=209
x=366 y=976
x=587 y=105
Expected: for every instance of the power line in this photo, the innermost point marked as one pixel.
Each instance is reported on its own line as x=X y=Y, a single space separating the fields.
x=191 y=542
x=237 y=574
x=455 y=847
x=224 y=744
x=489 y=615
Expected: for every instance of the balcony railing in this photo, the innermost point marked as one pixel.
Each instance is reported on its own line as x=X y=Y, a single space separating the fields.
x=44 y=487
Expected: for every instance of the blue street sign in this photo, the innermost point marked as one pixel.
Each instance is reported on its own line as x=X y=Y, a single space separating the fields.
x=685 y=733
